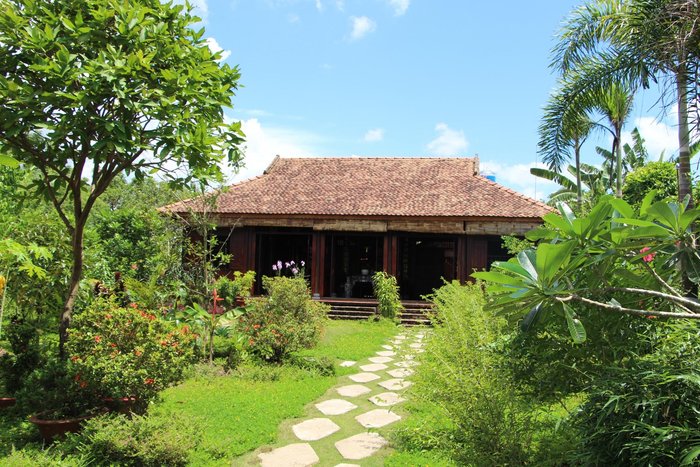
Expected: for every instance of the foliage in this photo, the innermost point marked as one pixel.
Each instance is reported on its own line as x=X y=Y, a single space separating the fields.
x=51 y=389
x=594 y=183
x=230 y=289
x=646 y=412
x=25 y=354
x=616 y=260
x=660 y=177
x=136 y=441
x=127 y=352
x=208 y=324
x=515 y=245
x=387 y=292
x=283 y=321
x=462 y=376
x=119 y=88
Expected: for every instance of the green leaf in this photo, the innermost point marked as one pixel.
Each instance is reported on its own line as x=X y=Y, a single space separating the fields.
x=621 y=206
x=576 y=329
x=531 y=318
x=691 y=455
x=8 y=161
x=551 y=256
x=497 y=277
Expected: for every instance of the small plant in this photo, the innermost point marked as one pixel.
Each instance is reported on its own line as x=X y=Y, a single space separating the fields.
x=238 y=287
x=136 y=441
x=127 y=352
x=289 y=268
x=284 y=321
x=387 y=292
x=209 y=323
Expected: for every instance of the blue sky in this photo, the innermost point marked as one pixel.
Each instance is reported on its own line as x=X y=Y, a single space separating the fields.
x=398 y=78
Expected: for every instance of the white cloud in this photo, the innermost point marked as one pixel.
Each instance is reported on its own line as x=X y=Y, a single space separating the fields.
x=293 y=18
x=517 y=177
x=373 y=135
x=657 y=136
x=361 y=26
x=400 y=6
x=319 y=5
x=340 y=5
x=215 y=47
x=449 y=142
x=262 y=144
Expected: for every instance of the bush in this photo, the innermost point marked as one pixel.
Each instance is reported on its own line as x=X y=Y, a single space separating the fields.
x=484 y=421
x=127 y=352
x=659 y=176
x=284 y=321
x=239 y=286
x=24 y=357
x=646 y=412
x=139 y=441
x=387 y=292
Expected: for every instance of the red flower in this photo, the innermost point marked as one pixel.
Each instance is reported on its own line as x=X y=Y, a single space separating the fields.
x=133 y=305
x=647 y=258
x=149 y=381
x=138 y=353
x=98 y=339
x=112 y=344
x=256 y=326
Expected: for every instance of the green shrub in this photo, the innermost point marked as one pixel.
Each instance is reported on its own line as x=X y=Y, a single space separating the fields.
x=284 y=321
x=387 y=292
x=659 y=176
x=483 y=419
x=136 y=441
x=230 y=289
x=646 y=412
x=23 y=337
x=127 y=352
x=322 y=366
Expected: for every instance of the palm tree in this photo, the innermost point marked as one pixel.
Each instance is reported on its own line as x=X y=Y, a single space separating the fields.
x=635 y=42
x=575 y=129
x=595 y=181
x=633 y=157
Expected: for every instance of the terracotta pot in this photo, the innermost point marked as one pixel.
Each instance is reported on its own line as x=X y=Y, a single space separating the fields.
x=7 y=402
x=124 y=405
x=55 y=429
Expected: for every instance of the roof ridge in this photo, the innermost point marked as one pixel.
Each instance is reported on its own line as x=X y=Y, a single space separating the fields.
x=452 y=158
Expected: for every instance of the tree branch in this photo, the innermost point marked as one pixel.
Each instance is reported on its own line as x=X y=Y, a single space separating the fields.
x=624 y=310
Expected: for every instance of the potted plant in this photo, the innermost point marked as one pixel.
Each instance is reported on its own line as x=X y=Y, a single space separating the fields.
x=127 y=355
x=59 y=400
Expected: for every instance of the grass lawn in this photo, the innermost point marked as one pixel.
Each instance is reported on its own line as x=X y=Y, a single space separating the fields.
x=239 y=413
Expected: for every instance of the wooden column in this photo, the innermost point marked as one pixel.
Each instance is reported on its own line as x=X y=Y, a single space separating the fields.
x=318 y=263
x=390 y=254
x=477 y=254
x=242 y=248
x=461 y=258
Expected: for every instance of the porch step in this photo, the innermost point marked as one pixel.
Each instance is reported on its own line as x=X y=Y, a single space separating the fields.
x=415 y=313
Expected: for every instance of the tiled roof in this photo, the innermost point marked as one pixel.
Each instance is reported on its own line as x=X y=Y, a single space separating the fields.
x=373 y=186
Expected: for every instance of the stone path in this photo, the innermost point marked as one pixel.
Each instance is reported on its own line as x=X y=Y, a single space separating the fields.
x=346 y=425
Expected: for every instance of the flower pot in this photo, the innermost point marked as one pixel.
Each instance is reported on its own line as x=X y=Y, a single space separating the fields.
x=123 y=405
x=7 y=402
x=55 y=429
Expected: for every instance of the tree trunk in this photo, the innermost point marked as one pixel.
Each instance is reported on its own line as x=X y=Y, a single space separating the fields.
x=618 y=162
x=74 y=286
x=684 y=181
x=577 y=154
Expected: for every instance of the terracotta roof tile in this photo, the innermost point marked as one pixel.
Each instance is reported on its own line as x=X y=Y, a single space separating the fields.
x=373 y=186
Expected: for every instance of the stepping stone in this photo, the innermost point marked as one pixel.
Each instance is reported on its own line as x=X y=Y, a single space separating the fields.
x=353 y=390
x=403 y=364
x=395 y=384
x=386 y=399
x=335 y=407
x=400 y=373
x=400 y=337
x=416 y=346
x=363 y=377
x=386 y=353
x=314 y=429
x=374 y=367
x=297 y=455
x=380 y=359
x=420 y=336
x=377 y=418
x=387 y=347
x=420 y=350
x=347 y=465
x=409 y=356
x=347 y=363
x=360 y=446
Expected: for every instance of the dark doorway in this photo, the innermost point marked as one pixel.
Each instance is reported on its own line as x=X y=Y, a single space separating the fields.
x=423 y=264
x=283 y=247
x=353 y=261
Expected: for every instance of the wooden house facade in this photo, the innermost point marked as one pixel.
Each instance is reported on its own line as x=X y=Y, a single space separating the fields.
x=421 y=220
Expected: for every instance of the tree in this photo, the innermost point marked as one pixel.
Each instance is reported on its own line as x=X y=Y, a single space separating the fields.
x=636 y=42
x=575 y=129
x=91 y=89
x=594 y=180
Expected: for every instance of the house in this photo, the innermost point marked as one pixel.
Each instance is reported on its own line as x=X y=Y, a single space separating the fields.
x=420 y=219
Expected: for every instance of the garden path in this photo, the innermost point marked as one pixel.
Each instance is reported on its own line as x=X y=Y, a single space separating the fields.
x=346 y=426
